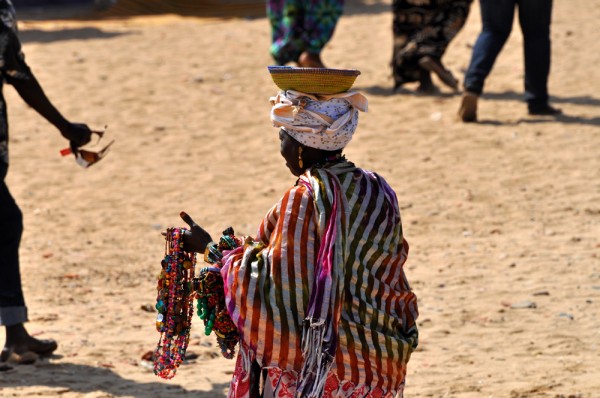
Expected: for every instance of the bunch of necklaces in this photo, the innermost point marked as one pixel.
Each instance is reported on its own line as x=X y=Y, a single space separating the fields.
x=211 y=295
x=174 y=304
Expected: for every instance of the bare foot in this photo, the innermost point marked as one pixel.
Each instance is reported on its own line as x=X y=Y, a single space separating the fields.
x=309 y=60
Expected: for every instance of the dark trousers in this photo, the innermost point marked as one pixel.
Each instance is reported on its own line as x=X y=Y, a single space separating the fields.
x=497 y=19
x=12 y=304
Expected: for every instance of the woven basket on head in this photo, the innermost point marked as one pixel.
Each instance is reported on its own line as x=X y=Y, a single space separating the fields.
x=313 y=80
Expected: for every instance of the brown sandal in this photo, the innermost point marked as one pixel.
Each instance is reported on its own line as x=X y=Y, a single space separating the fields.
x=26 y=358
x=468 y=107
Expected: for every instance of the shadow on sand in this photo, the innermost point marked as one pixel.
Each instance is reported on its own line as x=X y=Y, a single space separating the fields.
x=358 y=7
x=584 y=100
x=48 y=36
x=67 y=377
x=389 y=91
x=513 y=95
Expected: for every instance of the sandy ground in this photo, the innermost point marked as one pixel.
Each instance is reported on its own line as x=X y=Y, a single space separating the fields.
x=500 y=215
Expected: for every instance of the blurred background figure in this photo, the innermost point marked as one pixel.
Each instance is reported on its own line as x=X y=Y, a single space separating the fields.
x=422 y=31
x=497 y=20
x=301 y=28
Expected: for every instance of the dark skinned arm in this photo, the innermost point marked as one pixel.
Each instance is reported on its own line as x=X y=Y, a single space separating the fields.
x=32 y=93
x=16 y=72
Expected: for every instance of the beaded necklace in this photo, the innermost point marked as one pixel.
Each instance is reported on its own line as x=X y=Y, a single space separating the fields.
x=211 y=295
x=177 y=289
x=174 y=304
x=338 y=157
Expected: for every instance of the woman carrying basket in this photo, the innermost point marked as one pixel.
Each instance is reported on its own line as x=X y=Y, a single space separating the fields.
x=319 y=295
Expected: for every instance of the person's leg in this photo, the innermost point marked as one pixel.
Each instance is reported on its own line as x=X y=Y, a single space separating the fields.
x=13 y=312
x=12 y=303
x=535 y=17
x=406 y=22
x=497 y=19
x=431 y=64
x=319 y=24
x=448 y=18
x=426 y=85
x=454 y=14
x=286 y=18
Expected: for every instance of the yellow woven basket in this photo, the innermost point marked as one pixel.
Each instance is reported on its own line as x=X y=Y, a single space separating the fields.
x=313 y=80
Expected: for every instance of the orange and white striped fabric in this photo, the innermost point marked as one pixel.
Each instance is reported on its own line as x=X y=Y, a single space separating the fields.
x=328 y=256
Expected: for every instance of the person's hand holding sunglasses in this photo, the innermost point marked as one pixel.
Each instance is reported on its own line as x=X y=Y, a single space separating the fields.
x=84 y=158
x=78 y=134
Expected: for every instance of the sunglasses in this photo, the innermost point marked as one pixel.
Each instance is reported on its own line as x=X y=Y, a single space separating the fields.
x=86 y=158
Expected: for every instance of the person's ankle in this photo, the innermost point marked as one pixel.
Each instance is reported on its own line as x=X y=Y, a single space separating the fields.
x=16 y=334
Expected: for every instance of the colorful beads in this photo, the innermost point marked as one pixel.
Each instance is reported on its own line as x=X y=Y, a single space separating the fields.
x=174 y=304
x=214 y=251
x=211 y=295
x=177 y=288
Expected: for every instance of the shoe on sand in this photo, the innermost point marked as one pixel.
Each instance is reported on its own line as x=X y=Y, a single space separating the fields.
x=43 y=347
x=28 y=352
x=468 y=107
x=544 y=110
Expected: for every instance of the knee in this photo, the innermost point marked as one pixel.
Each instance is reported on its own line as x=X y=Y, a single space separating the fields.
x=498 y=33
x=539 y=34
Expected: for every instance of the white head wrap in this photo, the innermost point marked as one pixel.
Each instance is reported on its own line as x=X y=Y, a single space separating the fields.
x=319 y=121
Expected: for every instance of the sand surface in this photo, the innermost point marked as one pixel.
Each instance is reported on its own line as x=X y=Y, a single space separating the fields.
x=500 y=215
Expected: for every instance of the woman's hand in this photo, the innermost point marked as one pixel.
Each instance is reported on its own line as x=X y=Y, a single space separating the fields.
x=196 y=239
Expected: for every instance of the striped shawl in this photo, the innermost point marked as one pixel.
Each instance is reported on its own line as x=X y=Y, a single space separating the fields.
x=321 y=291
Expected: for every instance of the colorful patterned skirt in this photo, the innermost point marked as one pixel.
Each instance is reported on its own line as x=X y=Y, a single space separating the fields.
x=423 y=28
x=279 y=383
x=301 y=25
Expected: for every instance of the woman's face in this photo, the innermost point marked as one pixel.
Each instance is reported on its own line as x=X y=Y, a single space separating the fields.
x=289 y=151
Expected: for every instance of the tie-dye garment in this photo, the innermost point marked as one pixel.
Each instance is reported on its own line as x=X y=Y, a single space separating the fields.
x=301 y=25
x=320 y=297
